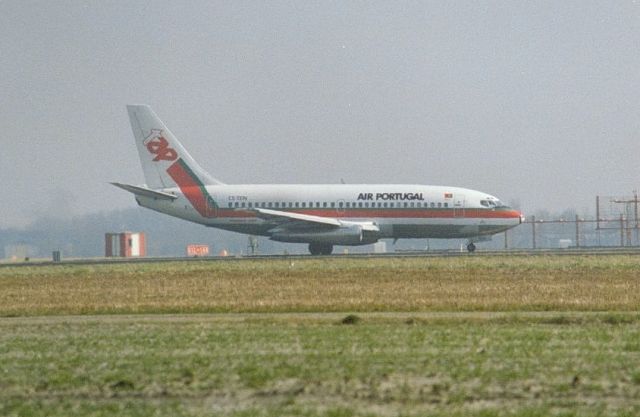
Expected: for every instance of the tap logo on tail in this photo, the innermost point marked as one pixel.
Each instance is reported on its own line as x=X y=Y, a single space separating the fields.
x=157 y=145
x=180 y=172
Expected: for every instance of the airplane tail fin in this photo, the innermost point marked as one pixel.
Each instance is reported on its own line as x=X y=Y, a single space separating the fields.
x=165 y=162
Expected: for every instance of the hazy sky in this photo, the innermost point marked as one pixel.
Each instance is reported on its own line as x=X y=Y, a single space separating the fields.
x=534 y=102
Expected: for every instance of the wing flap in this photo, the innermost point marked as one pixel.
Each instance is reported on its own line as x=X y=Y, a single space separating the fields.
x=270 y=214
x=290 y=219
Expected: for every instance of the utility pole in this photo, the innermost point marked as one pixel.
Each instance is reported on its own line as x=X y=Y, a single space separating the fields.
x=627 y=210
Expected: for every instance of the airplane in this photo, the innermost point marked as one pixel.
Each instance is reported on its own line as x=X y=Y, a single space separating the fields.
x=318 y=215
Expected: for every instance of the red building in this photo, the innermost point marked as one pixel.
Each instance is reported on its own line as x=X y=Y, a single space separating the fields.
x=125 y=244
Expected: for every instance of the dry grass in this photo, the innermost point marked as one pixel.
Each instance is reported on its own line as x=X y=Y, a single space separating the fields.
x=470 y=284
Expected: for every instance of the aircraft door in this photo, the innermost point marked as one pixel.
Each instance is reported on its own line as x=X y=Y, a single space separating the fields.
x=459 y=205
x=211 y=209
x=340 y=208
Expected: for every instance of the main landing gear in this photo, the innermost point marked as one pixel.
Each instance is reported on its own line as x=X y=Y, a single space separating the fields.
x=471 y=247
x=320 y=249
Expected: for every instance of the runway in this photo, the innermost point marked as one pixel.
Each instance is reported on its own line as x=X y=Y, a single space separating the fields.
x=587 y=251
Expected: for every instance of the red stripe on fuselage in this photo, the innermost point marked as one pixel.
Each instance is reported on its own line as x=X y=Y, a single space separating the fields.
x=400 y=213
x=190 y=187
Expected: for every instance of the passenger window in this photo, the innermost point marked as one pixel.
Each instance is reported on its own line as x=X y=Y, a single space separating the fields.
x=242 y=205
x=366 y=205
x=277 y=205
x=439 y=205
x=249 y=204
x=360 y=204
x=347 y=204
x=230 y=205
x=317 y=204
x=433 y=205
x=412 y=204
x=304 y=205
x=333 y=204
x=380 y=204
x=290 y=204
x=270 y=205
x=340 y=204
x=446 y=205
x=324 y=204
x=385 y=205
x=237 y=204
x=297 y=204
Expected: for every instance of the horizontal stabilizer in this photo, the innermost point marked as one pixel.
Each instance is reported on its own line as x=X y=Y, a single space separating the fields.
x=145 y=192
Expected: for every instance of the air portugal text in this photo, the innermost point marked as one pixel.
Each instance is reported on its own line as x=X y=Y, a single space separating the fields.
x=391 y=196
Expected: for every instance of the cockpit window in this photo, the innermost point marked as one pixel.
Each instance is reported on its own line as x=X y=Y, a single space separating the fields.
x=492 y=203
x=488 y=203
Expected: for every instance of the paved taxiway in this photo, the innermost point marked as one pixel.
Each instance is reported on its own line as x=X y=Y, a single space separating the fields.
x=405 y=254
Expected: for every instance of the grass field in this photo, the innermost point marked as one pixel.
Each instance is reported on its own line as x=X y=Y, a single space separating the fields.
x=269 y=365
x=410 y=284
x=393 y=337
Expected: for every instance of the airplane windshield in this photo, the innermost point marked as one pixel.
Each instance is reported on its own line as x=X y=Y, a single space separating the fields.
x=492 y=203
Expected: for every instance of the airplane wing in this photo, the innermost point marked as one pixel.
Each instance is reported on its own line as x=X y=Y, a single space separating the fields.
x=145 y=192
x=283 y=215
x=297 y=219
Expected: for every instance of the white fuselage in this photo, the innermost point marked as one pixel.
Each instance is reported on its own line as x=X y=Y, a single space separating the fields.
x=399 y=211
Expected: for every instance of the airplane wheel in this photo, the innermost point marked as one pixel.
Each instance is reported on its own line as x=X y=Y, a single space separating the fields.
x=320 y=249
x=471 y=247
x=314 y=249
